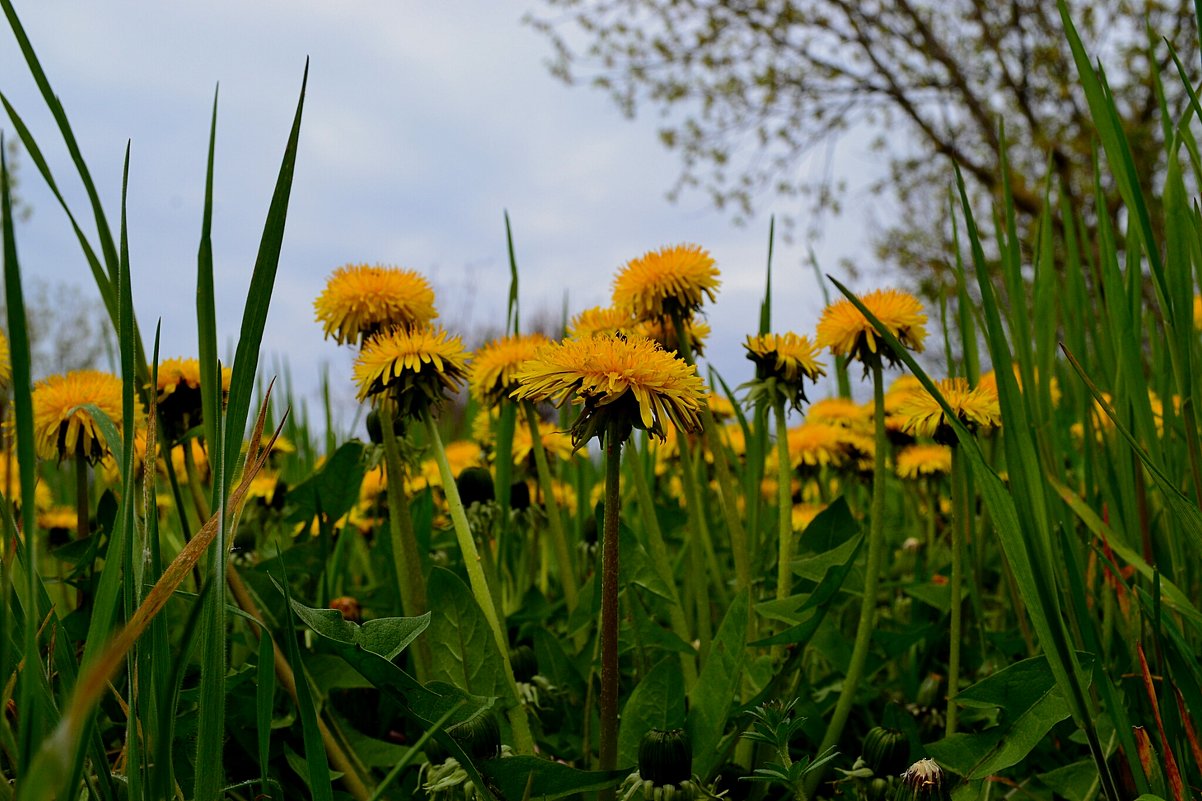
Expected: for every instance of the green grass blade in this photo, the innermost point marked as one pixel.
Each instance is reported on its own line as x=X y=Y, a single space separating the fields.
x=513 y=325
x=206 y=314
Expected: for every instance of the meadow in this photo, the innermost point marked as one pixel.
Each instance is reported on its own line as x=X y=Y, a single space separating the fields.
x=577 y=563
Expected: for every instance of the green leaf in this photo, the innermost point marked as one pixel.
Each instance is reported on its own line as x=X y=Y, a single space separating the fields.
x=536 y=778
x=264 y=704
x=1031 y=702
x=1076 y=782
x=462 y=645
x=832 y=527
x=656 y=703
x=718 y=686
x=333 y=488
x=386 y=636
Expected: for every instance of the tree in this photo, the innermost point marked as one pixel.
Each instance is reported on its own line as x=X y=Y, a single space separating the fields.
x=747 y=88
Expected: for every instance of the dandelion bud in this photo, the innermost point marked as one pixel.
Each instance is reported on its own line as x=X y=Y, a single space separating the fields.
x=886 y=751
x=666 y=757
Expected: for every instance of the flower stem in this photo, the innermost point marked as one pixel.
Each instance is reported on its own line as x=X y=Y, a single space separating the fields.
x=872 y=569
x=559 y=540
x=406 y=560
x=784 y=497
x=523 y=741
x=609 y=605
x=659 y=559
x=959 y=530
x=82 y=507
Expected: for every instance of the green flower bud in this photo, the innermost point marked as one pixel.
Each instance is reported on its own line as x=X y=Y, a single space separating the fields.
x=666 y=757
x=886 y=751
x=478 y=736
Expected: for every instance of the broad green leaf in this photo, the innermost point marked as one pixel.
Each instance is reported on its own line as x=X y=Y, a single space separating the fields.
x=333 y=488
x=1031 y=703
x=532 y=777
x=717 y=686
x=656 y=703
x=462 y=646
x=1076 y=782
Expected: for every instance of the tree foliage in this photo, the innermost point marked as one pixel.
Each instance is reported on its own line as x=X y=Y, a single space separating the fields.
x=748 y=88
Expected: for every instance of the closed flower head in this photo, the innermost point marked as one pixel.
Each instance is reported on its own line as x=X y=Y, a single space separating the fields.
x=63 y=430
x=847 y=332
x=668 y=281
x=416 y=367
x=975 y=408
x=495 y=366
x=362 y=300
x=631 y=383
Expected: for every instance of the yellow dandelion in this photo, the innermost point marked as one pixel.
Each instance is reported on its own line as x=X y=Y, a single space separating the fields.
x=975 y=408
x=847 y=332
x=601 y=320
x=1198 y=312
x=924 y=461
x=840 y=413
x=178 y=394
x=899 y=391
x=815 y=445
x=661 y=283
x=361 y=300
x=720 y=407
x=63 y=431
x=804 y=513
x=6 y=364
x=782 y=364
x=629 y=382
x=663 y=331
x=416 y=366
x=57 y=518
x=494 y=366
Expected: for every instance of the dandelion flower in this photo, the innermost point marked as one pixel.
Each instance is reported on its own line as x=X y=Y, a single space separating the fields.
x=495 y=365
x=840 y=413
x=975 y=408
x=178 y=394
x=6 y=364
x=783 y=362
x=63 y=431
x=416 y=366
x=631 y=382
x=664 y=332
x=665 y=282
x=601 y=320
x=847 y=332
x=815 y=445
x=924 y=461
x=362 y=300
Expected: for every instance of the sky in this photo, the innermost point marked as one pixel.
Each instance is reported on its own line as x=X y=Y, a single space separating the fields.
x=423 y=124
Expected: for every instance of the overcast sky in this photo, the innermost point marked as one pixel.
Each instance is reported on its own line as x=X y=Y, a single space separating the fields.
x=423 y=122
